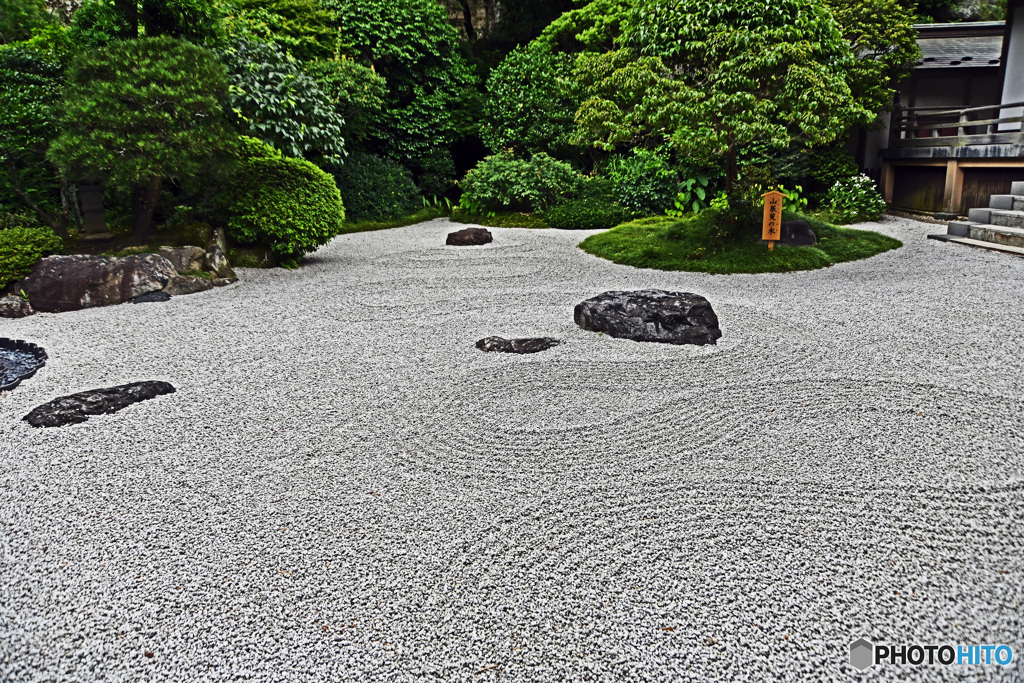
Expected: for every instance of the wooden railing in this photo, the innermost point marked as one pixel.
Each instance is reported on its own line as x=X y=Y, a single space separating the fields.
x=925 y=126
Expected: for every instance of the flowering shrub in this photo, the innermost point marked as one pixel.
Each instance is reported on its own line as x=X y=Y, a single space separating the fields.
x=855 y=199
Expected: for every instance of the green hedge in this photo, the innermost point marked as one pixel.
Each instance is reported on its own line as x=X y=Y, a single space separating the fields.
x=287 y=205
x=20 y=248
x=587 y=214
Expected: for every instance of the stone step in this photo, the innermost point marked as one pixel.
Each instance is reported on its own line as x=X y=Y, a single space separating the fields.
x=1008 y=219
x=992 y=246
x=1010 y=237
x=980 y=215
x=1017 y=187
x=1007 y=202
x=960 y=228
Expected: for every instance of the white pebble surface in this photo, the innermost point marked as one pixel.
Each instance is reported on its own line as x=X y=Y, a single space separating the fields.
x=344 y=488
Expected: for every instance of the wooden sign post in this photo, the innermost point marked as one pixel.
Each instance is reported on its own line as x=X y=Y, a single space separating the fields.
x=771 y=228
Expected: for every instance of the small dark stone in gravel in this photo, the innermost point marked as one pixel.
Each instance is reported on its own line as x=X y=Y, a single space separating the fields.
x=152 y=297
x=651 y=315
x=77 y=408
x=470 y=237
x=18 y=360
x=528 y=345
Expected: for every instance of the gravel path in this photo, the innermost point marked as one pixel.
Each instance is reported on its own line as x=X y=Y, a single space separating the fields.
x=345 y=489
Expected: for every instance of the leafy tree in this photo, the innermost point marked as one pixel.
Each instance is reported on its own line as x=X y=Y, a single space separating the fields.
x=357 y=93
x=724 y=75
x=272 y=100
x=431 y=87
x=527 y=109
x=99 y=22
x=591 y=28
x=301 y=28
x=882 y=35
x=20 y=18
x=139 y=112
x=31 y=78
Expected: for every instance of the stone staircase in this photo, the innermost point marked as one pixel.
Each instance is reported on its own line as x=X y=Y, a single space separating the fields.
x=1000 y=227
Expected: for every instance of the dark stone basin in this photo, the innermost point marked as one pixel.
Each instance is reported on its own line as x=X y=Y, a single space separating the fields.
x=18 y=360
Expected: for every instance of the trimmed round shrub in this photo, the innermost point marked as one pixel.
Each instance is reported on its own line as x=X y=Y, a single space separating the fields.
x=587 y=214
x=20 y=248
x=504 y=183
x=288 y=205
x=828 y=165
x=375 y=188
x=644 y=182
x=855 y=199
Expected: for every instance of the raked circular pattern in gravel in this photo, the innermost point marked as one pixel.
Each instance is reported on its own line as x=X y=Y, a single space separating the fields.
x=345 y=489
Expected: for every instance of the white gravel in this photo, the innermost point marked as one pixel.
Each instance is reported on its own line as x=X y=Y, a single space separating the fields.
x=345 y=489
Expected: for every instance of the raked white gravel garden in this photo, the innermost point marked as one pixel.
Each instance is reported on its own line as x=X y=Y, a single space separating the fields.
x=344 y=488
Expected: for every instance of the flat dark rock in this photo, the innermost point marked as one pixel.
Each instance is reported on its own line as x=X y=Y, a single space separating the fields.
x=470 y=237
x=652 y=315
x=526 y=345
x=19 y=360
x=77 y=408
x=152 y=297
x=798 y=234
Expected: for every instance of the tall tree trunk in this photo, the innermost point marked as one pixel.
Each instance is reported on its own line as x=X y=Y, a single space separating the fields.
x=130 y=10
x=730 y=170
x=467 y=16
x=144 y=201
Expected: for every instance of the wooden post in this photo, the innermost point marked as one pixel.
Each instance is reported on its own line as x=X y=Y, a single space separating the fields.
x=888 y=181
x=771 y=226
x=952 y=194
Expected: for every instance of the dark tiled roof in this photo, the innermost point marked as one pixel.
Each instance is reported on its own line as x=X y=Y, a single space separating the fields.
x=970 y=44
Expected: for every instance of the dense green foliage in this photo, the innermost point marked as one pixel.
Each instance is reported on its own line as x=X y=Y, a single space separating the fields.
x=21 y=247
x=274 y=101
x=98 y=23
x=356 y=93
x=503 y=182
x=854 y=199
x=643 y=181
x=288 y=205
x=431 y=93
x=587 y=213
x=141 y=111
x=301 y=28
x=19 y=19
x=685 y=244
x=527 y=109
x=375 y=188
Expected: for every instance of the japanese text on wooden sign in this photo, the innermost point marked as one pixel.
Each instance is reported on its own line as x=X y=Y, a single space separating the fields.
x=771 y=227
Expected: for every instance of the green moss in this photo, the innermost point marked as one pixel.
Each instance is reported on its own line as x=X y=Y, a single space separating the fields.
x=199 y=273
x=502 y=220
x=664 y=243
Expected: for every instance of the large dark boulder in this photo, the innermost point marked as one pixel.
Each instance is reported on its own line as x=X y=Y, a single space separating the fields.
x=77 y=408
x=70 y=283
x=527 y=345
x=470 y=237
x=798 y=234
x=651 y=315
x=187 y=284
x=184 y=258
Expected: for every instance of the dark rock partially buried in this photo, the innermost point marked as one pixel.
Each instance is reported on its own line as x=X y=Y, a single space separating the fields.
x=14 y=307
x=470 y=237
x=77 y=408
x=527 y=345
x=798 y=234
x=152 y=298
x=652 y=315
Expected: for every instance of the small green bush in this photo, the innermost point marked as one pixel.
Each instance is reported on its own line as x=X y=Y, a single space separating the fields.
x=644 y=182
x=20 y=248
x=855 y=199
x=829 y=165
x=287 y=205
x=502 y=182
x=587 y=214
x=375 y=188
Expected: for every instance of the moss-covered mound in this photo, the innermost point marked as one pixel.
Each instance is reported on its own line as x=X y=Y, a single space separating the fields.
x=685 y=244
